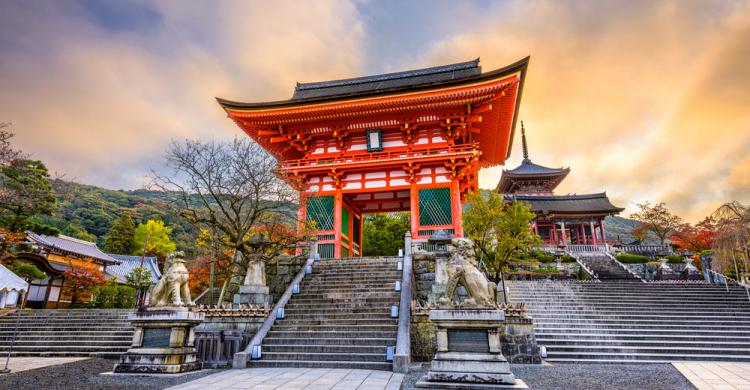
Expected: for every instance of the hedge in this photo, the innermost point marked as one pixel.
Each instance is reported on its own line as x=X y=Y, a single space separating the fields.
x=674 y=259
x=114 y=297
x=628 y=258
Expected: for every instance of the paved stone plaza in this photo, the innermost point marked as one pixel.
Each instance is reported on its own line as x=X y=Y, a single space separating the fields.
x=716 y=375
x=297 y=378
x=18 y=364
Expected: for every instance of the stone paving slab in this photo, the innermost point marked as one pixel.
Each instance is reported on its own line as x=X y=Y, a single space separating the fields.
x=18 y=364
x=716 y=375
x=297 y=378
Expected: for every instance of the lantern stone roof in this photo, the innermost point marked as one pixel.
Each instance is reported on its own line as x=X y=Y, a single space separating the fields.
x=70 y=245
x=570 y=205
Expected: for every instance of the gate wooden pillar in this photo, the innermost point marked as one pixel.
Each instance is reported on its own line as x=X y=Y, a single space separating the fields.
x=456 y=209
x=414 y=208
x=338 y=202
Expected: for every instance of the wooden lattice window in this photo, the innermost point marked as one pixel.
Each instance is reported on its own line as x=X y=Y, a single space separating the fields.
x=320 y=211
x=435 y=207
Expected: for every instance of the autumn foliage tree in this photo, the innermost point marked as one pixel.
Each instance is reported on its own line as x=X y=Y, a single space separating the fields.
x=695 y=238
x=80 y=281
x=656 y=219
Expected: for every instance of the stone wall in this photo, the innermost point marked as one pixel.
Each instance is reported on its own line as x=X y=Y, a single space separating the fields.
x=650 y=271
x=281 y=271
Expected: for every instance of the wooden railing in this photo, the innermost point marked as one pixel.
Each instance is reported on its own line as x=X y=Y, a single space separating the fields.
x=427 y=153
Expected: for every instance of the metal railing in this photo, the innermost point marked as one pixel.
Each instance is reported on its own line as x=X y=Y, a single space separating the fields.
x=402 y=356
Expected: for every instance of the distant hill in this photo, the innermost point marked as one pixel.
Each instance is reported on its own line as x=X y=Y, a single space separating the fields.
x=619 y=228
x=88 y=212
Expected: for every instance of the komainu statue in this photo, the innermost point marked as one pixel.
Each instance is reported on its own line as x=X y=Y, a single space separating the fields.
x=172 y=289
x=460 y=268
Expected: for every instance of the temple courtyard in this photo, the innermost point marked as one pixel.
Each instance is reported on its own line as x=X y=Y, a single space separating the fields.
x=78 y=373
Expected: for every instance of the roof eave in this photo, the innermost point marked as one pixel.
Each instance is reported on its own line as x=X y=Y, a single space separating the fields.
x=517 y=66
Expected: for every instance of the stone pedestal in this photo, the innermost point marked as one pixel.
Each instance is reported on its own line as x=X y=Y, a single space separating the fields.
x=469 y=352
x=163 y=342
x=253 y=294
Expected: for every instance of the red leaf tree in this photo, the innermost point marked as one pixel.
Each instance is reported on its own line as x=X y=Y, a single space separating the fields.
x=80 y=281
x=695 y=238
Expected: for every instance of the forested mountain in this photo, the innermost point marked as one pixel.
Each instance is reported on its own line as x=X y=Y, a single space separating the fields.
x=88 y=212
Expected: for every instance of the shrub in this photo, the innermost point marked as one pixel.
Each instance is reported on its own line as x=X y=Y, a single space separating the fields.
x=114 y=297
x=568 y=259
x=627 y=258
x=674 y=259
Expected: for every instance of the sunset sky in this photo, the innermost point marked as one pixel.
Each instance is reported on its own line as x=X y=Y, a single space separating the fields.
x=647 y=100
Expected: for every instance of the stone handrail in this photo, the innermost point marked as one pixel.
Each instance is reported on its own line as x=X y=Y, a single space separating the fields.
x=402 y=355
x=625 y=267
x=727 y=279
x=241 y=358
x=588 y=270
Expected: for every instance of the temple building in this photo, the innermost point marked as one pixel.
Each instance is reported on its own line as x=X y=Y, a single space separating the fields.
x=407 y=141
x=53 y=256
x=561 y=219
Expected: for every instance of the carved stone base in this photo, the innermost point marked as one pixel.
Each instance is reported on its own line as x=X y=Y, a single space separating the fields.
x=163 y=342
x=253 y=294
x=423 y=382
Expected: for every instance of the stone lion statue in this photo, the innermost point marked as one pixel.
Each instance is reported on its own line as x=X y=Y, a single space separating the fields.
x=461 y=269
x=172 y=289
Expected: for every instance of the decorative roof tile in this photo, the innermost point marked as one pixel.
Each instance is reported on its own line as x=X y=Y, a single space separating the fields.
x=568 y=204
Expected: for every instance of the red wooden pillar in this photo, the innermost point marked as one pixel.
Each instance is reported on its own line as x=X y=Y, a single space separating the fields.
x=458 y=230
x=414 y=209
x=301 y=216
x=338 y=200
x=593 y=231
x=601 y=228
x=553 y=232
x=564 y=234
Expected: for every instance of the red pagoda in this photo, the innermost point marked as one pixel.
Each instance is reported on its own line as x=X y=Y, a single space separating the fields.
x=561 y=219
x=411 y=140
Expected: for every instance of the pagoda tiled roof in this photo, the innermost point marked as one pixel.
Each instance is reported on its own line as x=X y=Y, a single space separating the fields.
x=585 y=204
x=70 y=245
x=530 y=171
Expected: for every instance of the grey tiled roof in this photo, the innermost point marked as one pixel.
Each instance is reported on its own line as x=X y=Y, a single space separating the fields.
x=388 y=80
x=529 y=168
x=71 y=245
x=128 y=263
x=569 y=204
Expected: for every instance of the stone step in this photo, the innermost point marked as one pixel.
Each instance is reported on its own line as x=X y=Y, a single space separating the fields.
x=385 y=366
x=359 y=341
x=74 y=344
x=676 y=323
x=640 y=337
x=333 y=328
x=333 y=315
x=608 y=343
x=556 y=349
x=647 y=317
x=324 y=348
x=540 y=330
x=337 y=321
x=325 y=356
x=329 y=334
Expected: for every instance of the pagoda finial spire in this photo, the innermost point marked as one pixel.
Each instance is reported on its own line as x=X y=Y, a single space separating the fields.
x=523 y=140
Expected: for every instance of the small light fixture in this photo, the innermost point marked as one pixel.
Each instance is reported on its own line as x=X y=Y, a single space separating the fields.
x=394 y=311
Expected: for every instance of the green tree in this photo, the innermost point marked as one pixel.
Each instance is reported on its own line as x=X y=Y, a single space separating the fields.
x=25 y=190
x=121 y=237
x=383 y=234
x=159 y=243
x=140 y=279
x=499 y=230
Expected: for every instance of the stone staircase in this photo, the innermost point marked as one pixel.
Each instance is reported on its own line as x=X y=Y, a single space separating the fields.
x=67 y=332
x=340 y=318
x=635 y=321
x=605 y=267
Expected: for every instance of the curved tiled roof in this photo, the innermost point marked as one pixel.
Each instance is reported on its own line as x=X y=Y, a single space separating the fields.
x=128 y=263
x=595 y=204
x=70 y=245
x=528 y=168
